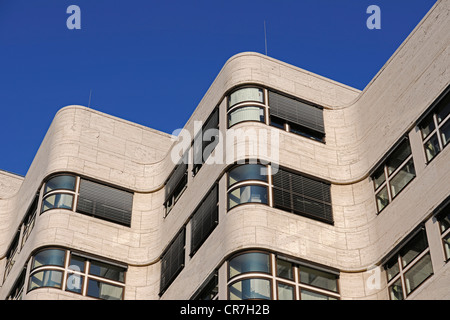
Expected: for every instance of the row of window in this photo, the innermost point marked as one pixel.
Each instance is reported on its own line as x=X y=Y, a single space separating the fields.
x=397 y=170
x=264 y=275
x=72 y=272
x=203 y=221
x=283 y=111
x=65 y=191
x=248 y=183
x=246 y=104
x=410 y=265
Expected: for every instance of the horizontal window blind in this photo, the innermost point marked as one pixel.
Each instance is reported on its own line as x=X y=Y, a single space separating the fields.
x=199 y=141
x=178 y=175
x=172 y=261
x=297 y=112
x=105 y=202
x=302 y=195
x=204 y=220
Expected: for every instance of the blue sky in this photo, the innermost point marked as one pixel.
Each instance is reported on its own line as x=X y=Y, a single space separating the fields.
x=151 y=62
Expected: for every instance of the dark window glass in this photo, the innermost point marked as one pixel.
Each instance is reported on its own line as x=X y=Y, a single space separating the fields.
x=247 y=194
x=443 y=110
x=249 y=262
x=45 y=278
x=427 y=126
x=209 y=289
x=318 y=278
x=204 y=219
x=247 y=172
x=172 y=261
x=107 y=271
x=285 y=291
x=77 y=263
x=49 y=257
x=396 y=290
x=75 y=283
x=398 y=156
x=105 y=291
x=311 y=295
x=277 y=122
x=414 y=247
x=251 y=289
x=418 y=273
x=57 y=201
x=284 y=269
x=61 y=182
x=206 y=140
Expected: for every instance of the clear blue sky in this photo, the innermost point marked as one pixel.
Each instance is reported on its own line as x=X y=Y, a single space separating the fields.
x=151 y=61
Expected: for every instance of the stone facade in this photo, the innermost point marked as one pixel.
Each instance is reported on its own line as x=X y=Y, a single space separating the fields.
x=360 y=128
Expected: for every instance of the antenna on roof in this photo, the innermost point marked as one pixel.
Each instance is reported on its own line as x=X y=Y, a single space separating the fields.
x=265 y=36
x=90 y=94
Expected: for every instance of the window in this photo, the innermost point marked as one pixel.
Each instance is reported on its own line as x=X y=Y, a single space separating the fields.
x=92 y=198
x=60 y=182
x=209 y=289
x=172 y=261
x=253 y=288
x=246 y=94
x=302 y=195
x=444 y=223
x=175 y=185
x=247 y=194
x=11 y=254
x=30 y=218
x=296 y=116
x=17 y=290
x=409 y=267
x=435 y=127
x=204 y=219
x=246 y=113
x=206 y=140
x=80 y=274
x=59 y=192
x=249 y=262
x=256 y=275
x=104 y=202
x=247 y=183
x=393 y=175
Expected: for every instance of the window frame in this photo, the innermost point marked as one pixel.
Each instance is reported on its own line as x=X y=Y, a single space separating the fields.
x=67 y=272
x=388 y=177
x=432 y=116
x=275 y=279
x=403 y=269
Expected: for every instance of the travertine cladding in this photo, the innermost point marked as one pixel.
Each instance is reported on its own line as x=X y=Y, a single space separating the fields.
x=360 y=129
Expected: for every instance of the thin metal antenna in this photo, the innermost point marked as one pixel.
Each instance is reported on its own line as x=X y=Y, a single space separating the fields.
x=90 y=94
x=265 y=36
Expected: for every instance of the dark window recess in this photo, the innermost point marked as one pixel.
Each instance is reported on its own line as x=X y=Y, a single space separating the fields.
x=105 y=202
x=209 y=289
x=205 y=141
x=172 y=261
x=204 y=220
x=302 y=195
x=302 y=118
x=175 y=185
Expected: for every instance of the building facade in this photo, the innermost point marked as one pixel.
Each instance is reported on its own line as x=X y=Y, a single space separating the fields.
x=283 y=185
